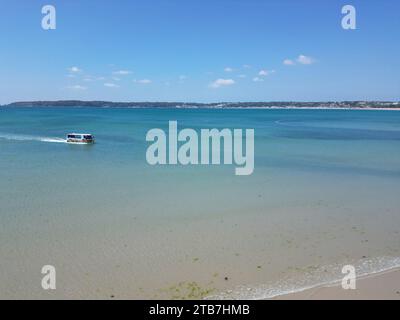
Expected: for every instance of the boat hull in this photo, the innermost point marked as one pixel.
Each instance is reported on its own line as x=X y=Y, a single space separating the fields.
x=80 y=141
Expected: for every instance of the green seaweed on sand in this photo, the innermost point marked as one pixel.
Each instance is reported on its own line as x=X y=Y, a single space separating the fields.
x=187 y=290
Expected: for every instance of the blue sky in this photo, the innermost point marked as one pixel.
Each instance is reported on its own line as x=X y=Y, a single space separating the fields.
x=206 y=51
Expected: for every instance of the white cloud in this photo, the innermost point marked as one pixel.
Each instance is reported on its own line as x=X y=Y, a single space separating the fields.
x=257 y=79
x=122 y=72
x=242 y=76
x=288 y=62
x=111 y=85
x=143 y=81
x=182 y=77
x=304 y=59
x=116 y=79
x=77 y=87
x=264 y=73
x=74 y=70
x=228 y=69
x=221 y=83
x=246 y=66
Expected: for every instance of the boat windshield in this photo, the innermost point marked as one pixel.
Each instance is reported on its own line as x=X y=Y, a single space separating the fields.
x=74 y=136
x=87 y=137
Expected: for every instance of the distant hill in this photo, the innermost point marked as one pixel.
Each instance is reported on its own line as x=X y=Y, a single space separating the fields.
x=221 y=105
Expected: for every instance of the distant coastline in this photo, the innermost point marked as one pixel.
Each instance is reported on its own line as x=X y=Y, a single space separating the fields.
x=367 y=105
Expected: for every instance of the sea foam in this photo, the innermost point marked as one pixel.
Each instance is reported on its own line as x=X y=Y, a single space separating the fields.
x=323 y=276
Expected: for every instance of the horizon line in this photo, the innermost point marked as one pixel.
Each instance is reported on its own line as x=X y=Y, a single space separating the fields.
x=194 y=102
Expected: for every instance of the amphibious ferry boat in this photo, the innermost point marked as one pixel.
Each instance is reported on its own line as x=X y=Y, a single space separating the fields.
x=80 y=138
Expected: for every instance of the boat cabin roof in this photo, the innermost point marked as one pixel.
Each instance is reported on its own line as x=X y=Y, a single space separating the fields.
x=79 y=134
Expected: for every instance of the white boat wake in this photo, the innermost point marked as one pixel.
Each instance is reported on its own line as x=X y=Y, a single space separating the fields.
x=21 y=137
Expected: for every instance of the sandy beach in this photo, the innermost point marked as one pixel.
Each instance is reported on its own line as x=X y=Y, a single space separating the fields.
x=381 y=286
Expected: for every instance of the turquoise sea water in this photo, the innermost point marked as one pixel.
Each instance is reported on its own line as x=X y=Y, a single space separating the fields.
x=324 y=193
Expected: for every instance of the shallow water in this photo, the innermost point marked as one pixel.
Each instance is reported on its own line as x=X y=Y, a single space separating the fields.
x=324 y=193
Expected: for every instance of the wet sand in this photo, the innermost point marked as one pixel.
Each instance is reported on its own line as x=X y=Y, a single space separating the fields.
x=382 y=286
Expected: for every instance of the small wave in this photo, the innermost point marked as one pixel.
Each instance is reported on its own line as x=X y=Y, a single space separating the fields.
x=21 y=137
x=320 y=277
